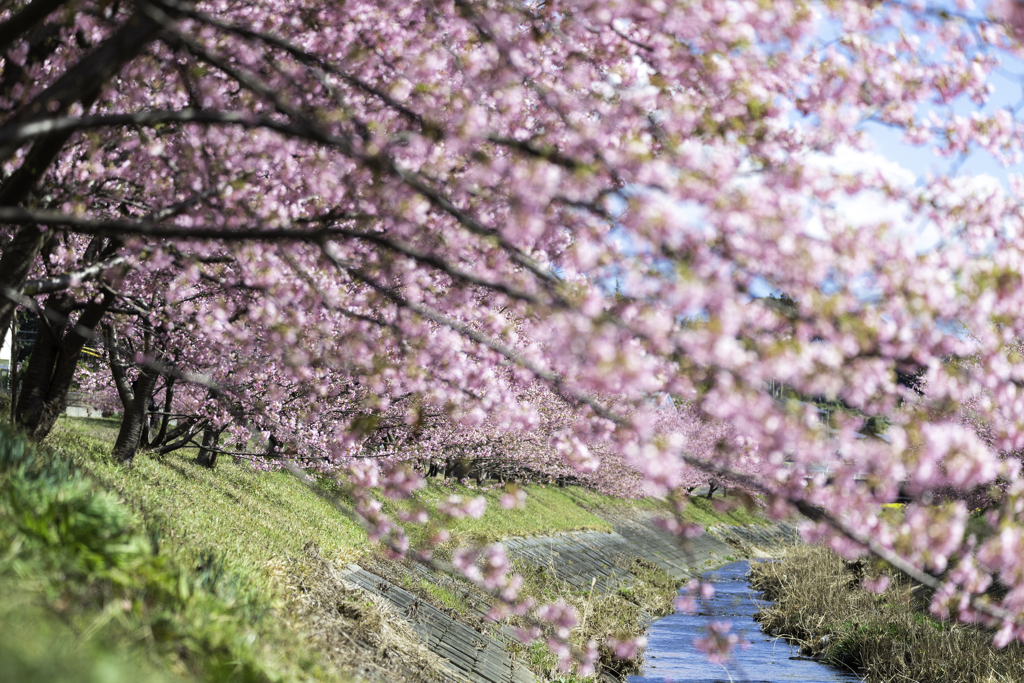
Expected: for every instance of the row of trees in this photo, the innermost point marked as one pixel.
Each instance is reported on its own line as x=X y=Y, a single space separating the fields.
x=455 y=226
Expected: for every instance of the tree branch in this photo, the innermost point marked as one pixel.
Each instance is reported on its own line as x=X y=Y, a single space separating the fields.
x=16 y=134
x=25 y=20
x=57 y=283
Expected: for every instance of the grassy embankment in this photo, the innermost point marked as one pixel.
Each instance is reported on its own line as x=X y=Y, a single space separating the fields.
x=168 y=571
x=888 y=637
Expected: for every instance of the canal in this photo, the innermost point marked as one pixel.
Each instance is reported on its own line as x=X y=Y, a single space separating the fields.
x=671 y=655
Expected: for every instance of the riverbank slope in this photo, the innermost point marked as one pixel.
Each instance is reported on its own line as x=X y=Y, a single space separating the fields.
x=169 y=571
x=820 y=603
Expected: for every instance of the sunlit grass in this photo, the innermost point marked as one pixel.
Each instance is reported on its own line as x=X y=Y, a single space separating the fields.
x=707 y=513
x=247 y=515
x=38 y=645
x=547 y=510
x=89 y=595
x=253 y=515
x=254 y=521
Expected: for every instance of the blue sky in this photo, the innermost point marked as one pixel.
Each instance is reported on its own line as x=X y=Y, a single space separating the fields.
x=921 y=160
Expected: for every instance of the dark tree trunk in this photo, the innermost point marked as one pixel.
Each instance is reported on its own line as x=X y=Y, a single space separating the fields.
x=207 y=453
x=186 y=431
x=18 y=257
x=134 y=397
x=35 y=378
x=118 y=369
x=13 y=378
x=165 y=417
x=130 y=435
x=144 y=436
x=51 y=368
x=40 y=423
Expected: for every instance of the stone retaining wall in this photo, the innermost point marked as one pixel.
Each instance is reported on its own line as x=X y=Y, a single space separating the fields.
x=581 y=559
x=473 y=655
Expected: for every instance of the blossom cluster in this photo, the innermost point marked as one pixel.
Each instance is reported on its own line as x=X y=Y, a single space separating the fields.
x=532 y=241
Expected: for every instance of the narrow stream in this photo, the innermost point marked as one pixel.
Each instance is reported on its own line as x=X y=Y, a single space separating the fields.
x=671 y=656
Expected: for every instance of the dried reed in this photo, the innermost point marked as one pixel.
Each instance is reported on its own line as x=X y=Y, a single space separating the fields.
x=819 y=604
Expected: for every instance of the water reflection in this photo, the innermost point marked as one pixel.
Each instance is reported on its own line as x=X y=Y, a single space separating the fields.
x=671 y=655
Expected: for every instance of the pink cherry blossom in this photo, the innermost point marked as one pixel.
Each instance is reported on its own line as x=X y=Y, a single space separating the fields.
x=642 y=248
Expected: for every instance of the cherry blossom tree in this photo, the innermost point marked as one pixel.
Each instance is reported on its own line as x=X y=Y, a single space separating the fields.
x=328 y=221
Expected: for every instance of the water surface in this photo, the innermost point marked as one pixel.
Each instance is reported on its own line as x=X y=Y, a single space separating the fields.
x=671 y=656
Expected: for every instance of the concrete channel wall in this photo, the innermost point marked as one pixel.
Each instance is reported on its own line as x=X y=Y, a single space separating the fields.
x=582 y=559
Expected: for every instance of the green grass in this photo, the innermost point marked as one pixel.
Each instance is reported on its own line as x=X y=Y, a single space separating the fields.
x=444 y=597
x=87 y=597
x=251 y=516
x=722 y=511
x=196 y=555
x=248 y=516
x=39 y=646
x=593 y=500
x=547 y=510
x=697 y=510
x=102 y=428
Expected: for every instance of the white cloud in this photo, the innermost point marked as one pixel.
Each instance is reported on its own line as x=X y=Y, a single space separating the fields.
x=868 y=207
x=854 y=161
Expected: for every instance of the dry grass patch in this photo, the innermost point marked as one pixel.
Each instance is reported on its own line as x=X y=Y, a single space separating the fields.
x=819 y=603
x=654 y=591
x=358 y=632
x=622 y=612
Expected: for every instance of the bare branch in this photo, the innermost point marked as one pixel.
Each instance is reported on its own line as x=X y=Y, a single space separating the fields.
x=123 y=227
x=25 y=20
x=84 y=79
x=59 y=282
x=20 y=133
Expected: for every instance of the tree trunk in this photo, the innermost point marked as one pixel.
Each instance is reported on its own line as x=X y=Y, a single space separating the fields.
x=207 y=455
x=130 y=435
x=35 y=378
x=20 y=255
x=56 y=401
x=165 y=417
x=134 y=397
x=15 y=265
x=188 y=429
x=184 y=429
x=144 y=436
